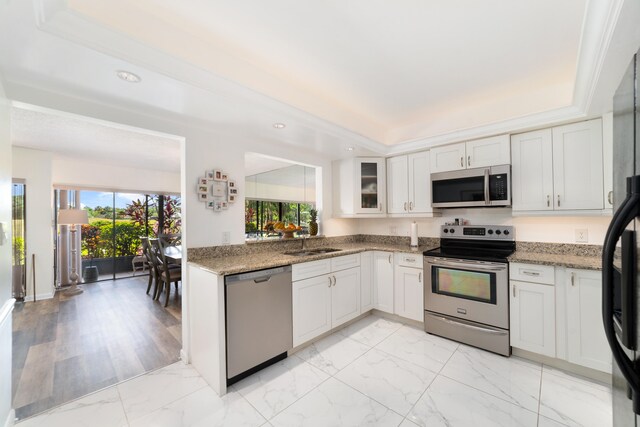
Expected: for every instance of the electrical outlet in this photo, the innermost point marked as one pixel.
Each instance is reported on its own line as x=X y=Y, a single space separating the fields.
x=393 y=230
x=226 y=238
x=582 y=235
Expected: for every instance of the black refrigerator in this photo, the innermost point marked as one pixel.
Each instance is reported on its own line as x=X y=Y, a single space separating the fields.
x=620 y=253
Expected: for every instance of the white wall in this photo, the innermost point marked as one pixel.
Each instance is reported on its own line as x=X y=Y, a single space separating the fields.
x=35 y=167
x=6 y=302
x=69 y=171
x=528 y=229
x=206 y=150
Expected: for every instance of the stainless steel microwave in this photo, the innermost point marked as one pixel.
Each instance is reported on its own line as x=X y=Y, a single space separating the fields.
x=479 y=187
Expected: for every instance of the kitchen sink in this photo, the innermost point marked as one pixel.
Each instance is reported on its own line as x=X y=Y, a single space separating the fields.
x=308 y=252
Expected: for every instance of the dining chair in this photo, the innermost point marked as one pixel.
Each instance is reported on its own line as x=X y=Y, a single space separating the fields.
x=167 y=273
x=153 y=268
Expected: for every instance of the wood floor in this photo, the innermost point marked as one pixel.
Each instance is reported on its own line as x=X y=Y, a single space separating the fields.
x=66 y=347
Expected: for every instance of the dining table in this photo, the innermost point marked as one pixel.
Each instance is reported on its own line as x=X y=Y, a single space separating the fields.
x=173 y=254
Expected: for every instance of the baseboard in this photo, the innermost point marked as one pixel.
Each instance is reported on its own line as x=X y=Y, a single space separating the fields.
x=11 y=419
x=593 y=374
x=29 y=298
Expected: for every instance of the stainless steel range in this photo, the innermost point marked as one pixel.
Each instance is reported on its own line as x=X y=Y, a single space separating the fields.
x=466 y=287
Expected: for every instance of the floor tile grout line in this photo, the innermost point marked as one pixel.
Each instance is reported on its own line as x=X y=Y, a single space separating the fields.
x=329 y=377
x=540 y=394
x=171 y=402
x=126 y=417
x=431 y=383
x=368 y=397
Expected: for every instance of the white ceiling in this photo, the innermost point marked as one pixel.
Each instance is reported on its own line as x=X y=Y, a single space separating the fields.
x=101 y=142
x=255 y=163
x=384 y=77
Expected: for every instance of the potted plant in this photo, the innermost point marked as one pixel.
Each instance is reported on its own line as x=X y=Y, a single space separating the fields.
x=90 y=240
x=313 y=223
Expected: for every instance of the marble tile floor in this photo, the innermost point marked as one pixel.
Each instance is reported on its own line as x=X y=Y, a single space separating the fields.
x=375 y=372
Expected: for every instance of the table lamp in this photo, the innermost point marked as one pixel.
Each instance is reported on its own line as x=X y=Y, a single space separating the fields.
x=72 y=218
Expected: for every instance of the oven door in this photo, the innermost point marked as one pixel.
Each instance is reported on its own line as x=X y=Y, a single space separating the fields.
x=477 y=291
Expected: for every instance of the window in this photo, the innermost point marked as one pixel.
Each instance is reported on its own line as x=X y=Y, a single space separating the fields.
x=261 y=215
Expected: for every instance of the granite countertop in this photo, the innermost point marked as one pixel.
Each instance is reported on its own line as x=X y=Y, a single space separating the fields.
x=268 y=259
x=558 y=260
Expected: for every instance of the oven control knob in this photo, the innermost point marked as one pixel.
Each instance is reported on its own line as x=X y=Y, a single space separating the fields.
x=498 y=232
x=506 y=232
x=451 y=230
x=490 y=231
x=446 y=230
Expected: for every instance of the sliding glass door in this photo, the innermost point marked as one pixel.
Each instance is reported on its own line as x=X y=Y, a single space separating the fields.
x=110 y=243
x=18 y=240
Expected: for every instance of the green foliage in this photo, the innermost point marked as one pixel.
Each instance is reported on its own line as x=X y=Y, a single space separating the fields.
x=18 y=251
x=127 y=238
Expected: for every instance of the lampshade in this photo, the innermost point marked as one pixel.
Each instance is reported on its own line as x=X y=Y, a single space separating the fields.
x=72 y=217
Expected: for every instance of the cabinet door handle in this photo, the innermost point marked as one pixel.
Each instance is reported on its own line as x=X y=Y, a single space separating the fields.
x=548 y=200
x=405 y=206
x=514 y=290
x=461 y=162
x=610 y=197
x=335 y=280
x=410 y=206
x=329 y=281
x=531 y=273
x=573 y=279
x=468 y=160
x=558 y=200
x=389 y=258
x=420 y=277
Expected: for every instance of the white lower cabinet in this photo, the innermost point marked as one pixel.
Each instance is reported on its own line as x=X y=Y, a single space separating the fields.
x=383 y=281
x=345 y=296
x=324 y=302
x=533 y=319
x=409 y=293
x=367 y=289
x=311 y=308
x=559 y=317
x=586 y=341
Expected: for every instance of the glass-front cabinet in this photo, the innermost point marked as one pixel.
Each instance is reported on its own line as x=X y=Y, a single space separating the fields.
x=359 y=187
x=370 y=186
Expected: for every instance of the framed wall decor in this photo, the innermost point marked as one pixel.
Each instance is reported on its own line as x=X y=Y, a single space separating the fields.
x=216 y=190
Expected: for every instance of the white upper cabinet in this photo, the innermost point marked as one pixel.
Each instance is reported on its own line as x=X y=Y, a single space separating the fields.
x=408 y=189
x=359 y=187
x=488 y=152
x=577 y=165
x=473 y=154
x=419 y=182
x=532 y=171
x=558 y=169
x=448 y=158
x=398 y=185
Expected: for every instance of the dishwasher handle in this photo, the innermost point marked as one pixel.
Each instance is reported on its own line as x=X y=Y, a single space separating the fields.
x=259 y=276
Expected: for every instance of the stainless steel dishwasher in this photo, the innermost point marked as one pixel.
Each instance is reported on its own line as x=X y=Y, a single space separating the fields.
x=259 y=320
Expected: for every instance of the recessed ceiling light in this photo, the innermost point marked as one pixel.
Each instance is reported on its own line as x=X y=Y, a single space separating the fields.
x=349 y=148
x=128 y=76
x=279 y=125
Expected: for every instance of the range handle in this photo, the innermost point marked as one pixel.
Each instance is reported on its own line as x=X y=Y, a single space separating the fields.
x=627 y=212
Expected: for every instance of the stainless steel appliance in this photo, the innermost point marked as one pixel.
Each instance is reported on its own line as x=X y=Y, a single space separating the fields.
x=480 y=187
x=466 y=287
x=258 y=319
x=620 y=264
